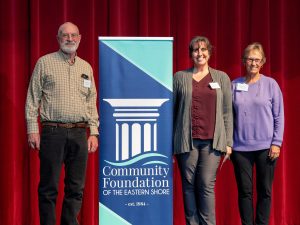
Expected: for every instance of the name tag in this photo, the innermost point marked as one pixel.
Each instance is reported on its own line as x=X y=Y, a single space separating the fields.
x=242 y=87
x=214 y=85
x=86 y=83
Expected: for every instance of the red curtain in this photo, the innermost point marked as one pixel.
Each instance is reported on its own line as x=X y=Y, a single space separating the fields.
x=28 y=30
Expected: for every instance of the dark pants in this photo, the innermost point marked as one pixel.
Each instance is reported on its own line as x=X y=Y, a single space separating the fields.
x=62 y=146
x=198 y=173
x=243 y=167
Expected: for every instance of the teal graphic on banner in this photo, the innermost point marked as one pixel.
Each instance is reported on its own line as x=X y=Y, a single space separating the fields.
x=135 y=174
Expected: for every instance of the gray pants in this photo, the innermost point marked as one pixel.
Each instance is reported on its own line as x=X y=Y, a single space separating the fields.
x=198 y=170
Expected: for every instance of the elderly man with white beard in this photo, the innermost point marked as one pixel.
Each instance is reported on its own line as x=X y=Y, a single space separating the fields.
x=63 y=95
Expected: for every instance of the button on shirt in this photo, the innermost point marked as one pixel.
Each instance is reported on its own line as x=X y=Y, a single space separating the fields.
x=62 y=92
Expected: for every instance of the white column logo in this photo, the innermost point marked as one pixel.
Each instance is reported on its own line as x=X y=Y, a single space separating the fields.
x=136 y=126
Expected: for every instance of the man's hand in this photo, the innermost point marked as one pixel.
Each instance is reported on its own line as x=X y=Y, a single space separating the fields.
x=34 y=141
x=92 y=143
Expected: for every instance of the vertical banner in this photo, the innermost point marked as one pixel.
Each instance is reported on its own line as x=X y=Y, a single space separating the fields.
x=136 y=118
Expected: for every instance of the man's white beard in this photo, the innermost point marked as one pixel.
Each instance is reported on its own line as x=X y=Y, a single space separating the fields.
x=69 y=48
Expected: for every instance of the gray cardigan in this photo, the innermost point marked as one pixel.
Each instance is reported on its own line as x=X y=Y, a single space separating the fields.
x=182 y=99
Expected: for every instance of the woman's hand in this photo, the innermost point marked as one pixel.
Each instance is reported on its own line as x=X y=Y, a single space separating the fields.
x=274 y=152
x=228 y=150
x=227 y=156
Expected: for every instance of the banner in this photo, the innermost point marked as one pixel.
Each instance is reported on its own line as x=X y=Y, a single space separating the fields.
x=136 y=115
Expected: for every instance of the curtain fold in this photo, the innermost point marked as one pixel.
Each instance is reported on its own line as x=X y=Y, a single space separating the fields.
x=29 y=28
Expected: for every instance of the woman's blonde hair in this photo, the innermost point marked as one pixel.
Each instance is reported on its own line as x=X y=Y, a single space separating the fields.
x=254 y=46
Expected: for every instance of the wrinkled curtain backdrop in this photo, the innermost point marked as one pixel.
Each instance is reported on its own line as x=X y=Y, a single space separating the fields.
x=28 y=31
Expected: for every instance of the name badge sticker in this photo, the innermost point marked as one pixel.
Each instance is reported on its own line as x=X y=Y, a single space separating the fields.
x=242 y=87
x=86 y=83
x=214 y=85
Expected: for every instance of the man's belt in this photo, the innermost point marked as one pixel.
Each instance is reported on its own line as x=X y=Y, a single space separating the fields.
x=66 y=125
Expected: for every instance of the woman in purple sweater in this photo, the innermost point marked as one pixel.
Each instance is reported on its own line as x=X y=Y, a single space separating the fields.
x=258 y=134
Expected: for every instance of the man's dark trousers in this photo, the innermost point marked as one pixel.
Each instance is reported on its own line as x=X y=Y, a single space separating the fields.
x=68 y=147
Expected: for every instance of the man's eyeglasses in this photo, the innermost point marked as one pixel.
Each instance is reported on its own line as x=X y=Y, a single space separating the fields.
x=73 y=35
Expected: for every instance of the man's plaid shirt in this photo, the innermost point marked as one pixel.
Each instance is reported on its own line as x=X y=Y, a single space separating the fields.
x=62 y=92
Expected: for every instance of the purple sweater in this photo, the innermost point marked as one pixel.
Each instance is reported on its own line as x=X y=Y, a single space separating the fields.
x=258 y=115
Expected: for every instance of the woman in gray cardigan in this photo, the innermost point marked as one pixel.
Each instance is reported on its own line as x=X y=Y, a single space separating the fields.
x=203 y=129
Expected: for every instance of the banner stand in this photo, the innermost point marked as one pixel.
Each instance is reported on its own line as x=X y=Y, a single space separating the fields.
x=136 y=110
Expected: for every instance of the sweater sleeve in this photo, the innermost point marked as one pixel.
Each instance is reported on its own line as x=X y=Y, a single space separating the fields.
x=227 y=110
x=278 y=115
